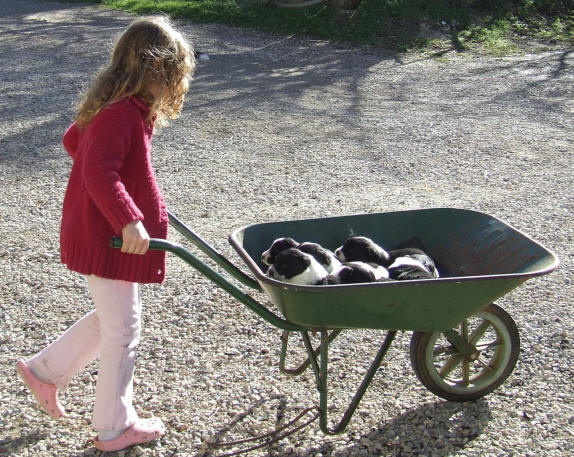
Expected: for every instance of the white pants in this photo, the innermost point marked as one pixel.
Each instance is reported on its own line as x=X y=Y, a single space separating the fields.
x=112 y=330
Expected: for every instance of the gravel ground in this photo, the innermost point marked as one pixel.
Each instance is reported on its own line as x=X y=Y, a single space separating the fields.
x=274 y=129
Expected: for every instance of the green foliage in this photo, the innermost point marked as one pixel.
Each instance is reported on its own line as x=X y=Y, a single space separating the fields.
x=495 y=25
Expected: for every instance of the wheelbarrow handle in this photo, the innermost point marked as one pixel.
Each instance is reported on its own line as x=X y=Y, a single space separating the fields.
x=155 y=244
x=208 y=250
x=219 y=280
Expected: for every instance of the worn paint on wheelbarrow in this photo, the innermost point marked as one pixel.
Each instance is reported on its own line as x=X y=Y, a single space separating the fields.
x=480 y=259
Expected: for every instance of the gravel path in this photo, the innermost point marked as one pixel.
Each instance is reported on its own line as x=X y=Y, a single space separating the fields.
x=276 y=129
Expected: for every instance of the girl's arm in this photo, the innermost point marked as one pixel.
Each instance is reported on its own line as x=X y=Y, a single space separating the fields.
x=108 y=143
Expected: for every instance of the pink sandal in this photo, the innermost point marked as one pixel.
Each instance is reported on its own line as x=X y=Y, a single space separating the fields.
x=142 y=431
x=46 y=394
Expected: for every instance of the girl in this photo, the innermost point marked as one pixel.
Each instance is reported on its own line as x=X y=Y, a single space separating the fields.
x=111 y=191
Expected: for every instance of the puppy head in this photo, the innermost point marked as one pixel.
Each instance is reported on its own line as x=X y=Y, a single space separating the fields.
x=296 y=267
x=325 y=257
x=408 y=268
x=362 y=249
x=278 y=246
x=414 y=262
x=427 y=263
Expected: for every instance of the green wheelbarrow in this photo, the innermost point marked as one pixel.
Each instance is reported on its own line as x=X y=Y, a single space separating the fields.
x=463 y=346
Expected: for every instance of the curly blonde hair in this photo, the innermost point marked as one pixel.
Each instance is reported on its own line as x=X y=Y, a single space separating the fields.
x=149 y=54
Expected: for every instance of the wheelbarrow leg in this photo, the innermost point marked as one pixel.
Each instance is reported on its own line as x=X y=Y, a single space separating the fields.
x=322 y=381
x=305 y=364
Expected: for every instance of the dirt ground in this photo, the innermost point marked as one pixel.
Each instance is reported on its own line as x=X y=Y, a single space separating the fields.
x=281 y=128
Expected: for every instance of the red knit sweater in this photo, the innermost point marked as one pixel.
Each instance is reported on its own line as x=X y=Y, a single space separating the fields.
x=112 y=184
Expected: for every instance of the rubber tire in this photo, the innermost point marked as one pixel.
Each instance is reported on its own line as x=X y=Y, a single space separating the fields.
x=504 y=358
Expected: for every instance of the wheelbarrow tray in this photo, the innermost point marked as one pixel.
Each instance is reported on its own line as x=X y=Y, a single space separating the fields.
x=480 y=259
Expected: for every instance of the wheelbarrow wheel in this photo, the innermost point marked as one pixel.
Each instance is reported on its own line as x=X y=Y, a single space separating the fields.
x=446 y=372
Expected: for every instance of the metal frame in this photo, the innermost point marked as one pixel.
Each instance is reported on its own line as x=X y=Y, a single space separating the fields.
x=320 y=370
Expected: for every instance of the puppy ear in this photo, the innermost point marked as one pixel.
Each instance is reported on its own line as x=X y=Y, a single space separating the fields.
x=345 y=272
x=338 y=276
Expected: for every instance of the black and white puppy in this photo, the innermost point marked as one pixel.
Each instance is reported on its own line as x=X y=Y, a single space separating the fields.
x=324 y=256
x=411 y=263
x=380 y=272
x=297 y=267
x=358 y=272
x=362 y=249
x=278 y=246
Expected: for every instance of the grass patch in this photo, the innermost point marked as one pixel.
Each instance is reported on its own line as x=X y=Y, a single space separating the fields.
x=498 y=27
x=496 y=38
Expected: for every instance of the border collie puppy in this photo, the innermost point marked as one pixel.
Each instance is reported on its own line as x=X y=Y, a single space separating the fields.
x=417 y=255
x=324 y=256
x=296 y=267
x=380 y=272
x=410 y=263
x=358 y=272
x=362 y=249
x=278 y=246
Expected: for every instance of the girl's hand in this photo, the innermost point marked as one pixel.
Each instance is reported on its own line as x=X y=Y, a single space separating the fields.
x=135 y=238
